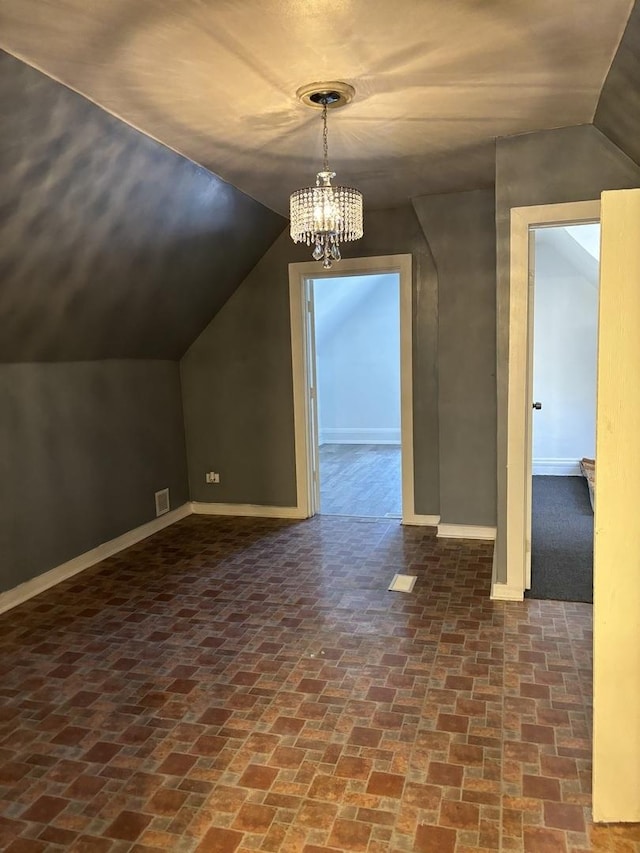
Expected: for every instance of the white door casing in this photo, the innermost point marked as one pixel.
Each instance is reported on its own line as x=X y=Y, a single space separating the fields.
x=529 y=432
x=312 y=391
x=303 y=366
x=519 y=404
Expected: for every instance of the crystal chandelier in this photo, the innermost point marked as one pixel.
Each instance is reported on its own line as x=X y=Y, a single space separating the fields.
x=325 y=216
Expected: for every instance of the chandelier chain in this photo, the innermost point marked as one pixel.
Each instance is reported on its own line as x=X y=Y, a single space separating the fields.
x=325 y=138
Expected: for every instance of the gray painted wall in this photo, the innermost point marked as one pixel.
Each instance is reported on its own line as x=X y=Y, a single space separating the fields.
x=618 y=111
x=111 y=245
x=570 y=164
x=84 y=448
x=237 y=381
x=460 y=229
x=237 y=395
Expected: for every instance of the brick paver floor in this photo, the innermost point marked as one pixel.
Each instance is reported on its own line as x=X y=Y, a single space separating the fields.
x=236 y=685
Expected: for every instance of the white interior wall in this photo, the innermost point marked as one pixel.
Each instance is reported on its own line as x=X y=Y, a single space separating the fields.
x=357 y=323
x=565 y=349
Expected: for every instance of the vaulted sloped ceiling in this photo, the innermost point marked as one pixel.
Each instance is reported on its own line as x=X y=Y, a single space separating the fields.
x=111 y=245
x=115 y=246
x=436 y=81
x=618 y=112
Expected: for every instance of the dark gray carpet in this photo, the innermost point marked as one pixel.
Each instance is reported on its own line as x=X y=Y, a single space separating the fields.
x=561 y=540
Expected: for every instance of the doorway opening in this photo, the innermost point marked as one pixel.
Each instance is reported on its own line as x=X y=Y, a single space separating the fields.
x=516 y=531
x=356 y=364
x=563 y=356
x=337 y=379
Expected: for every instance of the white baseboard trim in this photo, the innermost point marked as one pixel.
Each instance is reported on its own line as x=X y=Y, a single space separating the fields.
x=465 y=531
x=359 y=435
x=421 y=520
x=24 y=591
x=556 y=467
x=249 y=510
x=504 y=592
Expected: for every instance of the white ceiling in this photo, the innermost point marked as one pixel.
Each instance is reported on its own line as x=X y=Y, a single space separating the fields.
x=577 y=245
x=588 y=236
x=436 y=80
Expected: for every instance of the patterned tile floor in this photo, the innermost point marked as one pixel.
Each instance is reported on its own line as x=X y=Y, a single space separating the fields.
x=360 y=479
x=242 y=685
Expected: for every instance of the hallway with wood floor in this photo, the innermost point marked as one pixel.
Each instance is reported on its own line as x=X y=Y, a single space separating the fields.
x=360 y=480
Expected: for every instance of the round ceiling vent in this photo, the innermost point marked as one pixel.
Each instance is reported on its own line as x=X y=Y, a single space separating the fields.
x=331 y=95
